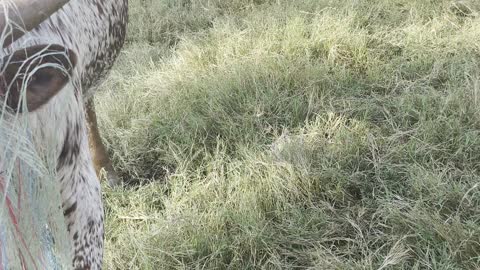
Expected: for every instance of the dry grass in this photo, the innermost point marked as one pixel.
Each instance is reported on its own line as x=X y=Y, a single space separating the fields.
x=295 y=135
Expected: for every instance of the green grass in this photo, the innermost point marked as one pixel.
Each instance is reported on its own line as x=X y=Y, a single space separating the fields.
x=299 y=134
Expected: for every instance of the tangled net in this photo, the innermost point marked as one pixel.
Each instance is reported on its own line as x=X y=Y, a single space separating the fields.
x=32 y=227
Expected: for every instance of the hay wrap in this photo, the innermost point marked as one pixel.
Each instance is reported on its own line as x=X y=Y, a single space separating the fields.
x=32 y=228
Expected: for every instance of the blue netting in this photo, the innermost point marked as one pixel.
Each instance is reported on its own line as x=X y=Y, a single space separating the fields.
x=32 y=228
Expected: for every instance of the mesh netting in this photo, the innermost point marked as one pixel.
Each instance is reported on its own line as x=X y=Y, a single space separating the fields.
x=32 y=227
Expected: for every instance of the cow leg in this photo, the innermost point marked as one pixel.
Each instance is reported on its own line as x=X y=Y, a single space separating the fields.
x=99 y=153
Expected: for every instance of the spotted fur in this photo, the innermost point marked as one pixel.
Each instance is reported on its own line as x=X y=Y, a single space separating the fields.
x=95 y=31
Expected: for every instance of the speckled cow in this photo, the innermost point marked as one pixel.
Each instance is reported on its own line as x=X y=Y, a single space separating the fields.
x=84 y=37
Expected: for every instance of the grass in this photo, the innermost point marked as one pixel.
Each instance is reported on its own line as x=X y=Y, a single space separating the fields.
x=301 y=134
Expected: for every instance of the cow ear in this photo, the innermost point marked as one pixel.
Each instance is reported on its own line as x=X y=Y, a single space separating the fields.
x=41 y=70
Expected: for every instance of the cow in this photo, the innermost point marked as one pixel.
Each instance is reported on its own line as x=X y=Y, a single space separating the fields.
x=58 y=51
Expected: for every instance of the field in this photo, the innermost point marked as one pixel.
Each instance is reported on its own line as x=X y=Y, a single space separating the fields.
x=305 y=134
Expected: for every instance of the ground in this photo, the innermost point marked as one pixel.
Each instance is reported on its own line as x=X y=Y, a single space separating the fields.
x=306 y=134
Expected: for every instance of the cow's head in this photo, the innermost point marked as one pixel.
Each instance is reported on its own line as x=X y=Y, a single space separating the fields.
x=41 y=70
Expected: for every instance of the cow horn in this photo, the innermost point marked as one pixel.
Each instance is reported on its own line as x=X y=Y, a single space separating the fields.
x=24 y=15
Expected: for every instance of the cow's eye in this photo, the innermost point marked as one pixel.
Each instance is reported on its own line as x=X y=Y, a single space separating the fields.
x=40 y=77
